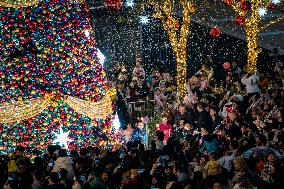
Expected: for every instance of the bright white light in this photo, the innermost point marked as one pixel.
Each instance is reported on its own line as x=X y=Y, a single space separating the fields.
x=87 y=33
x=275 y=1
x=101 y=57
x=62 y=138
x=116 y=123
x=129 y=3
x=144 y=19
x=262 y=11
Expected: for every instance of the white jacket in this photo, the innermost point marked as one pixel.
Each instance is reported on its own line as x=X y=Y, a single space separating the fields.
x=251 y=83
x=65 y=163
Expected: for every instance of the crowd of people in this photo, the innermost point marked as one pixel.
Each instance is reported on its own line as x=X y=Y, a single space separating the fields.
x=226 y=134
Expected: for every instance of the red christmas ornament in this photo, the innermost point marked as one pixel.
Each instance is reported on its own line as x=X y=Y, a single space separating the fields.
x=227 y=2
x=177 y=26
x=113 y=4
x=245 y=5
x=240 y=20
x=226 y=65
x=215 y=32
x=271 y=5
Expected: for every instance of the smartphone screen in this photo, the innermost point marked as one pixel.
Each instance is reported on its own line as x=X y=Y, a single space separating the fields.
x=50 y=164
x=83 y=178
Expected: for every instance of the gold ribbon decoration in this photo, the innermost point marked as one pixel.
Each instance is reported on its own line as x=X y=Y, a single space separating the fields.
x=20 y=110
x=100 y=109
x=18 y=3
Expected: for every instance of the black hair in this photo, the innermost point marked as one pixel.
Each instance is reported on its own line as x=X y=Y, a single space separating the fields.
x=38 y=174
x=62 y=153
x=200 y=105
x=54 y=177
x=160 y=135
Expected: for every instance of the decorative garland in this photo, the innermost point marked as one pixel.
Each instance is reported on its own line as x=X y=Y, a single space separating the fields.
x=21 y=110
x=18 y=3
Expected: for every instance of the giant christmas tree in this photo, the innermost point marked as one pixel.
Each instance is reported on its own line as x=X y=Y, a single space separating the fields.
x=51 y=83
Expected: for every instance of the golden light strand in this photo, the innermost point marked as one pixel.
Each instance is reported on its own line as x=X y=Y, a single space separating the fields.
x=18 y=111
x=252 y=32
x=178 y=35
x=18 y=3
x=271 y=22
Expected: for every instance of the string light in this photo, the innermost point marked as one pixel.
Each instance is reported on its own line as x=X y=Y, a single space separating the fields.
x=275 y=1
x=129 y=3
x=116 y=123
x=101 y=57
x=61 y=138
x=178 y=35
x=262 y=11
x=57 y=79
x=144 y=19
x=272 y=22
x=252 y=29
x=18 y=3
x=18 y=111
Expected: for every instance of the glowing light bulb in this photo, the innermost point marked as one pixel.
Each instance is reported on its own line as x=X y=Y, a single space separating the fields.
x=144 y=19
x=262 y=11
x=101 y=57
x=87 y=33
x=62 y=138
x=129 y=3
x=116 y=123
x=275 y=1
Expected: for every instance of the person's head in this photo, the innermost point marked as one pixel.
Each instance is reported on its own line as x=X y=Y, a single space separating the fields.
x=53 y=178
x=181 y=122
x=164 y=120
x=154 y=72
x=182 y=108
x=50 y=150
x=187 y=126
x=159 y=135
x=200 y=107
x=239 y=163
x=234 y=64
x=11 y=184
x=131 y=84
x=158 y=91
x=79 y=163
x=138 y=63
x=232 y=115
x=129 y=126
x=270 y=157
x=140 y=125
x=204 y=131
x=213 y=112
x=62 y=173
x=217 y=185
x=22 y=166
x=105 y=176
x=173 y=185
x=19 y=152
x=38 y=175
x=62 y=153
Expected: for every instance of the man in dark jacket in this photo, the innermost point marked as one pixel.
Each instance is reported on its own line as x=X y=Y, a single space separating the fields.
x=204 y=118
x=182 y=115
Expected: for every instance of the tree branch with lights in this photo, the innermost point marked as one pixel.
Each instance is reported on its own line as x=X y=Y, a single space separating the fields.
x=178 y=31
x=249 y=14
